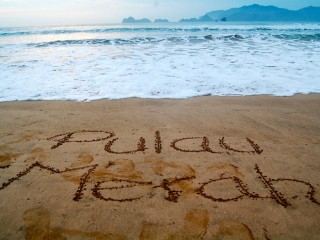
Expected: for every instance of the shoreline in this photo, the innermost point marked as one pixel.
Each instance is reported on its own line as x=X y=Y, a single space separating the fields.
x=162 y=99
x=204 y=167
x=297 y=95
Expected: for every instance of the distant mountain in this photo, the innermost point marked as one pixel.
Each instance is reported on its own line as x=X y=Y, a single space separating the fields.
x=257 y=12
x=253 y=12
x=161 y=21
x=132 y=20
x=189 y=20
x=204 y=18
x=266 y=13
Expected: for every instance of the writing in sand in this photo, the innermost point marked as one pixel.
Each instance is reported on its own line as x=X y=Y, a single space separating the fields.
x=108 y=184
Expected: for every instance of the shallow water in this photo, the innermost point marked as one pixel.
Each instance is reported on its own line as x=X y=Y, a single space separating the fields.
x=159 y=60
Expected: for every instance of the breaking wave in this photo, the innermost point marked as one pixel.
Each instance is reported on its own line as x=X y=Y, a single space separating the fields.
x=14 y=32
x=181 y=40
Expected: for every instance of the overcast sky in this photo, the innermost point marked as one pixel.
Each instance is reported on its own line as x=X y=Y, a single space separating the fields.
x=65 y=12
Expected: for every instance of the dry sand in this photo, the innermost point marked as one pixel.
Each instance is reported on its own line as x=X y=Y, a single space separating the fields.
x=201 y=168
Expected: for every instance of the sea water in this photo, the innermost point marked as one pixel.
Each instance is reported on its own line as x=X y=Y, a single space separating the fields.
x=170 y=60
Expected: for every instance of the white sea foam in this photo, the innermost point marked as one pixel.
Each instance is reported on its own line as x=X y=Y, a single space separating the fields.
x=158 y=61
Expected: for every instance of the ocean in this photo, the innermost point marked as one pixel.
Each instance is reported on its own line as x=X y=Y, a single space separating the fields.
x=169 y=60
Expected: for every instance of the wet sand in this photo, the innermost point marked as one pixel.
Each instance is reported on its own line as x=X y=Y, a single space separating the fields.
x=200 y=168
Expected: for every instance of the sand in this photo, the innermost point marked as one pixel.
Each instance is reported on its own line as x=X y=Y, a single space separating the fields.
x=201 y=168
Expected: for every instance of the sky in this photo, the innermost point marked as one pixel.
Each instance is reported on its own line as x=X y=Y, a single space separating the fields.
x=69 y=12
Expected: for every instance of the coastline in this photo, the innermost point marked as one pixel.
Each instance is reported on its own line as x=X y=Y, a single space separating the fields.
x=242 y=167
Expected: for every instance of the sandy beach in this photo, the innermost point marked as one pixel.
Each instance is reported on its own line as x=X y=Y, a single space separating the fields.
x=199 y=168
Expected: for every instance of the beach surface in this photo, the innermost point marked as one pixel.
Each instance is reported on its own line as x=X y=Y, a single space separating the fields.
x=200 y=168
